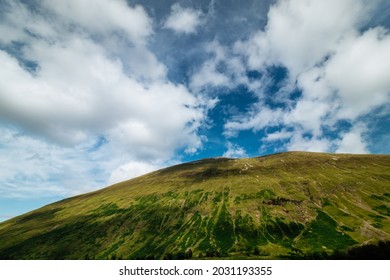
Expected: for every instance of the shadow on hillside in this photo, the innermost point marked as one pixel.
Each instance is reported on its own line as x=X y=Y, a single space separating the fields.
x=380 y=251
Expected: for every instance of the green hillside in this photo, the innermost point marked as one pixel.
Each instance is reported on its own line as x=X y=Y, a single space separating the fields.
x=292 y=205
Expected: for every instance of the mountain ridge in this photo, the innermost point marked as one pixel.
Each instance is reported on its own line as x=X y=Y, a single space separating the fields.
x=286 y=205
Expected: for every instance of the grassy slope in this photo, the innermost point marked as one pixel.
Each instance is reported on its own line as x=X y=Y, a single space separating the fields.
x=280 y=206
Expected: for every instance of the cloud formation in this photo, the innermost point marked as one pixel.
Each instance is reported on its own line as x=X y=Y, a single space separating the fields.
x=235 y=151
x=66 y=79
x=339 y=69
x=183 y=20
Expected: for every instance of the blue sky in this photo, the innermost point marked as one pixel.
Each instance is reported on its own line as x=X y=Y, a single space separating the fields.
x=96 y=92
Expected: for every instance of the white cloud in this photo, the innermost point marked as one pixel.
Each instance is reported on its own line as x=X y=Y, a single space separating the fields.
x=183 y=20
x=123 y=31
x=279 y=135
x=130 y=170
x=353 y=141
x=341 y=70
x=234 y=151
x=84 y=85
x=223 y=69
x=33 y=168
x=307 y=114
x=209 y=76
x=104 y=16
x=299 y=33
x=260 y=117
x=68 y=102
x=299 y=142
x=359 y=71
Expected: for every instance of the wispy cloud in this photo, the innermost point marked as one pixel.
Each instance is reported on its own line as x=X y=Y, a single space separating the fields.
x=235 y=151
x=184 y=20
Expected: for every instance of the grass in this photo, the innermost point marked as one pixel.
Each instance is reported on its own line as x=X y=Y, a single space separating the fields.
x=322 y=234
x=288 y=205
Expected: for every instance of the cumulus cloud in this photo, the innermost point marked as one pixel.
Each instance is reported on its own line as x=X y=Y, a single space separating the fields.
x=300 y=33
x=183 y=20
x=208 y=75
x=353 y=141
x=67 y=103
x=224 y=69
x=75 y=71
x=299 y=142
x=130 y=170
x=235 y=151
x=339 y=68
x=358 y=70
x=51 y=18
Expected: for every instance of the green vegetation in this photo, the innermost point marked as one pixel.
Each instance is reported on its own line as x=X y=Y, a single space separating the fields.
x=322 y=235
x=292 y=205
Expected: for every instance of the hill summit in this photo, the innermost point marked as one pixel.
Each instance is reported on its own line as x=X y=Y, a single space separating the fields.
x=293 y=205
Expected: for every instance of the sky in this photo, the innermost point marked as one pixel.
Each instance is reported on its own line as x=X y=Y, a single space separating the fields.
x=94 y=92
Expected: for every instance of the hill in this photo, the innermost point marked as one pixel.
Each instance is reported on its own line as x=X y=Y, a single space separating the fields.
x=293 y=205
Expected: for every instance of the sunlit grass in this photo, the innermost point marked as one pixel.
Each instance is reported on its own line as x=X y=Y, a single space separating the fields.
x=281 y=206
